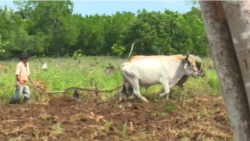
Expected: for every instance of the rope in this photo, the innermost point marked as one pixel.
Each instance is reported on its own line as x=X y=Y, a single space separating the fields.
x=49 y=94
x=95 y=90
x=83 y=89
x=39 y=89
x=5 y=87
x=35 y=87
x=46 y=79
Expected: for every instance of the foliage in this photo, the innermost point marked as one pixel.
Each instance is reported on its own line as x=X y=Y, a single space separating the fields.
x=77 y=54
x=117 y=49
x=2 y=44
x=50 y=28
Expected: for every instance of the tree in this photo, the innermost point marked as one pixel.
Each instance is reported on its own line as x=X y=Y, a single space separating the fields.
x=56 y=22
x=197 y=32
x=49 y=28
x=228 y=50
x=117 y=49
x=2 y=45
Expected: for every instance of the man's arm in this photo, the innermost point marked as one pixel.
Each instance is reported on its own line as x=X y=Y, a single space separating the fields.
x=19 y=79
x=30 y=79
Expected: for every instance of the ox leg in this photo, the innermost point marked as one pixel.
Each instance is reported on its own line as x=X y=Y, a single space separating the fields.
x=136 y=88
x=165 y=85
x=130 y=90
x=122 y=92
x=183 y=93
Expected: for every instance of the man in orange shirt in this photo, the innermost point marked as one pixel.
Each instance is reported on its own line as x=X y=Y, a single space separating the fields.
x=22 y=75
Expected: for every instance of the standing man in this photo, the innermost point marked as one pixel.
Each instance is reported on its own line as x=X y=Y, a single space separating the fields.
x=22 y=75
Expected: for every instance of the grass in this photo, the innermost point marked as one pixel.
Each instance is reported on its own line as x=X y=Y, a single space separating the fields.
x=124 y=130
x=88 y=71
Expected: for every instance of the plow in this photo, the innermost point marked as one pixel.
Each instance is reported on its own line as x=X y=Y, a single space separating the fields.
x=49 y=93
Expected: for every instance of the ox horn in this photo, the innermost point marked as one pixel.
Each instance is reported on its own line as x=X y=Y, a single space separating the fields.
x=187 y=56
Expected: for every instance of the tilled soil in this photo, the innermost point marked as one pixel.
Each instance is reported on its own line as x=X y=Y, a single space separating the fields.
x=64 y=119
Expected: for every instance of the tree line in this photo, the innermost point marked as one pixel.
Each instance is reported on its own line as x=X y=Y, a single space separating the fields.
x=49 y=28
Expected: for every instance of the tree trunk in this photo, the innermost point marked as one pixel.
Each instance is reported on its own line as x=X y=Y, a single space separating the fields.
x=227 y=67
x=57 y=51
x=158 y=50
x=131 y=49
x=238 y=18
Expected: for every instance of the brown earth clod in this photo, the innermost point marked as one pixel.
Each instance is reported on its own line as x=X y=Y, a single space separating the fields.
x=67 y=119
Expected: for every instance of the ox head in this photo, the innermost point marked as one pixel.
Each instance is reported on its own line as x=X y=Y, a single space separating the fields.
x=190 y=66
x=199 y=66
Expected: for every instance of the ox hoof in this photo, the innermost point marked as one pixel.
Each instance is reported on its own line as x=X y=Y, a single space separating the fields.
x=167 y=98
x=145 y=100
x=162 y=95
x=120 y=100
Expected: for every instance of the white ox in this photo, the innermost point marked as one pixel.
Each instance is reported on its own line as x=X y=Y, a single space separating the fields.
x=147 y=72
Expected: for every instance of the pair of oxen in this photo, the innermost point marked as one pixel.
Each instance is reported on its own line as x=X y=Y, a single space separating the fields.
x=169 y=71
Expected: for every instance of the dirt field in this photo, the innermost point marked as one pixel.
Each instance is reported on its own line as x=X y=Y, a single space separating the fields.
x=64 y=119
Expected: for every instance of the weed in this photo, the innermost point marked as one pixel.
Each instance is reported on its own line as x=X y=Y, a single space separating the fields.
x=169 y=106
x=124 y=130
x=36 y=134
x=107 y=125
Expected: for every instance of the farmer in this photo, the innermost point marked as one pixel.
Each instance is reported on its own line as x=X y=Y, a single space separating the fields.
x=22 y=75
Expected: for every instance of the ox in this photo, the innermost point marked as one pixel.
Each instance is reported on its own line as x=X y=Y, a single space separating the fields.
x=147 y=72
x=178 y=57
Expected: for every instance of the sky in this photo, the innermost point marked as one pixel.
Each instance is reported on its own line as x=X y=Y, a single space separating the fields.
x=111 y=7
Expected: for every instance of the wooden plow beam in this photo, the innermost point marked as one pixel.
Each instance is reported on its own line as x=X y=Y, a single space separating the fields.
x=49 y=93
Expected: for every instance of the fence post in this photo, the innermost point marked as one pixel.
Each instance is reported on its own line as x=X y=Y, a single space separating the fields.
x=227 y=68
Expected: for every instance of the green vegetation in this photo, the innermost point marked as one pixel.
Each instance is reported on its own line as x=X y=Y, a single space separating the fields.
x=49 y=28
x=91 y=70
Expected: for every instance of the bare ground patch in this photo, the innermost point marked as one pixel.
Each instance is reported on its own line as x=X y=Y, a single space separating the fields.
x=201 y=117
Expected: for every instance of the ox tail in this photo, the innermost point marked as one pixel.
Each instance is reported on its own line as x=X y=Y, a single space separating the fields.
x=124 y=90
